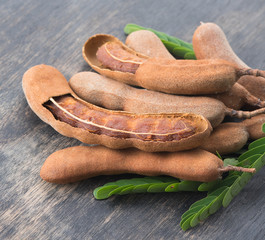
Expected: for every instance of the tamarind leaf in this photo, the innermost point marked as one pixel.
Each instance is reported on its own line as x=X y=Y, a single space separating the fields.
x=180 y=51
x=263 y=127
x=247 y=162
x=134 y=185
x=170 y=45
x=190 y=55
x=188 y=186
x=159 y=187
x=203 y=201
x=207 y=186
x=260 y=141
x=242 y=180
x=103 y=193
x=256 y=150
x=191 y=211
x=230 y=161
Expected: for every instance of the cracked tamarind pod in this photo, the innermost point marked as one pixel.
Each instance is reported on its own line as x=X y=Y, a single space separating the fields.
x=110 y=57
x=111 y=94
x=82 y=162
x=209 y=42
x=51 y=98
x=147 y=43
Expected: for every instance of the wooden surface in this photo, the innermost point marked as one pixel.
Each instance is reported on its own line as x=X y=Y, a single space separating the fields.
x=53 y=33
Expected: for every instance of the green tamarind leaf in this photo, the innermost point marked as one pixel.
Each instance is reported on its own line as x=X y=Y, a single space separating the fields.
x=190 y=55
x=126 y=190
x=103 y=193
x=183 y=186
x=256 y=150
x=141 y=188
x=191 y=211
x=158 y=187
x=117 y=190
x=263 y=127
x=207 y=186
x=259 y=142
x=230 y=161
x=203 y=201
x=180 y=51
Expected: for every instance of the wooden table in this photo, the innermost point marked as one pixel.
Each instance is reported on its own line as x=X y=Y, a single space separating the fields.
x=53 y=33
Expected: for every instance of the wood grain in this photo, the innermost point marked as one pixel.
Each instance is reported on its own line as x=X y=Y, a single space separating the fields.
x=53 y=33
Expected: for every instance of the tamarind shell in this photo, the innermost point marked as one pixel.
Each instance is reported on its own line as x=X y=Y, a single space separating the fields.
x=42 y=82
x=254 y=126
x=82 y=162
x=89 y=53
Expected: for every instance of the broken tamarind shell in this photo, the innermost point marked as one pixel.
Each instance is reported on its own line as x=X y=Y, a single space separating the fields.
x=82 y=162
x=51 y=98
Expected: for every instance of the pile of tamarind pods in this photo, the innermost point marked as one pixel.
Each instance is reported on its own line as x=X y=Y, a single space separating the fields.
x=174 y=120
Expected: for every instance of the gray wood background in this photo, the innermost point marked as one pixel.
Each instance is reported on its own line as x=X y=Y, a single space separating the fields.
x=53 y=33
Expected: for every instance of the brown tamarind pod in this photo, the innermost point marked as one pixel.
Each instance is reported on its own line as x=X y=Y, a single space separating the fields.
x=230 y=137
x=209 y=42
x=82 y=162
x=190 y=77
x=147 y=43
x=254 y=126
x=238 y=97
x=51 y=98
x=111 y=94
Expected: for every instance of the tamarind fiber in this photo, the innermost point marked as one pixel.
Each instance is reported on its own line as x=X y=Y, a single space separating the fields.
x=82 y=162
x=50 y=97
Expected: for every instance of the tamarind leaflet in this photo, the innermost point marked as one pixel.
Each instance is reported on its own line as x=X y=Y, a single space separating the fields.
x=140 y=185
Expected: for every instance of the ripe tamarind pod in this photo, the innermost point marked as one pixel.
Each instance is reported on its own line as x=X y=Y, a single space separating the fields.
x=254 y=126
x=238 y=97
x=82 y=162
x=111 y=94
x=209 y=42
x=230 y=137
x=190 y=77
x=51 y=98
x=147 y=43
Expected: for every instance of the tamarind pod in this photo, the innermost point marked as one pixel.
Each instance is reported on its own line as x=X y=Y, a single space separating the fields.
x=255 y=85
x=50 y=97
x=181 y=77
x=147 y=43
x=237 y=97
x=226 y=138
x=230 y=137
x=209 y=42
x=254 y=126
x=111 y=94
x=82 y=162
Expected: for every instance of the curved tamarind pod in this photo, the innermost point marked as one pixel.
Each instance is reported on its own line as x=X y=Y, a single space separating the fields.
x=190 y=77
x=111 y=94
x=237 y=97
x=226 y=138
x=254 y=126
x=82 y=162
x=230 y=137
x=210 y=42
x=51 y=98
x=147 y=43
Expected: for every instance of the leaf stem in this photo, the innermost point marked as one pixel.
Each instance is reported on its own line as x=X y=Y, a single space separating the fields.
x=236 y=168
